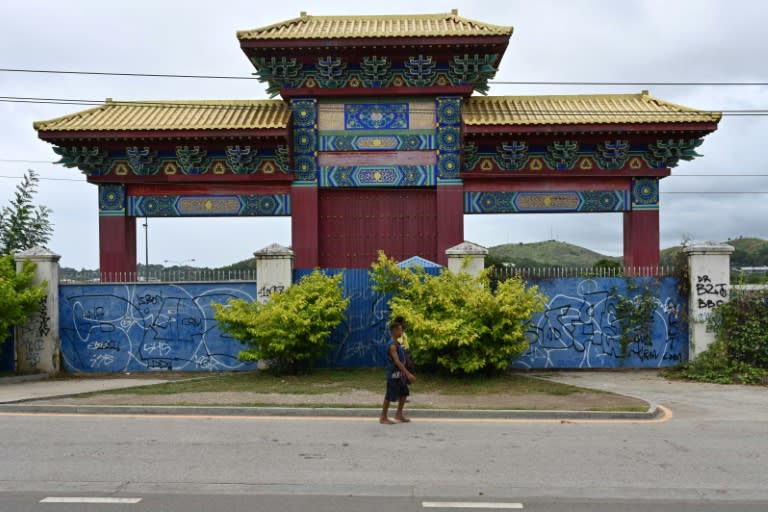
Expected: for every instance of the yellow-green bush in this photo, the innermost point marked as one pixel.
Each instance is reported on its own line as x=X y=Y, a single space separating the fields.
x=19 y=298
x=455 y=321
x=291 y=330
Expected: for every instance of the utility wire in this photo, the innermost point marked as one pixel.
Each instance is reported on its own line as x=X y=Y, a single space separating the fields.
x=522 y=82
x=520 y=110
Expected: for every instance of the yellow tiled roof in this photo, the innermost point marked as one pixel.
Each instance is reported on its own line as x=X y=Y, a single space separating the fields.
x=579 y=109
x=337 y=27
x=174 y=115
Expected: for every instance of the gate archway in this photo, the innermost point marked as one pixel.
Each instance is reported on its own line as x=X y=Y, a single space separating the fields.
x=378 y=142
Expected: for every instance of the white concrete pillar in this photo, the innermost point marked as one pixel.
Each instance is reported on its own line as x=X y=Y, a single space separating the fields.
x=38 y=346
x=466 y=257
x=274 y=270
x=709 y=265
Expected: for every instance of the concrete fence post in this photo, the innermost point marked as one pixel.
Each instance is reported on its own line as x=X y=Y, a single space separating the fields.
x=466 y=257
x=38 y=345
x=709 y=265
x=274 y=270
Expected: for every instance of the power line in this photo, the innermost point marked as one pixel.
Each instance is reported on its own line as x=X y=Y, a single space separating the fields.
x=521 y=110
x=521 y=82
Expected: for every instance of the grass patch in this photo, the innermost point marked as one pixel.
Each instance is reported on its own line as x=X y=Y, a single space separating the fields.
x=337 y=380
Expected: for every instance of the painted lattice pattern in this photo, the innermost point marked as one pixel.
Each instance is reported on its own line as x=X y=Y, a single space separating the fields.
x=563 y=201
x=200 y=206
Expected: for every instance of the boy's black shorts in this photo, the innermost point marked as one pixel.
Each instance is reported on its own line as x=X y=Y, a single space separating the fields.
x=396 y=388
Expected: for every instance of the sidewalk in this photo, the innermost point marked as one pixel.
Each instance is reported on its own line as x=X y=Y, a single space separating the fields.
x=26 y=395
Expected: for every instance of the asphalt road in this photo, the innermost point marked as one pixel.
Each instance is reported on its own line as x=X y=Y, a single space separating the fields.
x=710 y=453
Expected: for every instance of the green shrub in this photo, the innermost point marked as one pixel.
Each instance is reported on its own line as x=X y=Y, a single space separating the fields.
x=291 y=330
x=455 y=321
x=740 y=350
x=19 y=298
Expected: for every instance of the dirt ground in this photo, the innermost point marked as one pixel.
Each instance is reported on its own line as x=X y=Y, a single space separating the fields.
x=581 y=401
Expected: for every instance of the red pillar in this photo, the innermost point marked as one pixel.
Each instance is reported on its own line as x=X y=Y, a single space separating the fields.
x=641 y=239
x=450 y=218
x=304 y=226
x=117 y=248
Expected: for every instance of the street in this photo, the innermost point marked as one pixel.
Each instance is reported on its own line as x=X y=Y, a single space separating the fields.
x=704 y=455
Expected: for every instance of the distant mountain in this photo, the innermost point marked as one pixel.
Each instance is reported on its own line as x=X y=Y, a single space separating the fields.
x=545 y=254
x=750 y=252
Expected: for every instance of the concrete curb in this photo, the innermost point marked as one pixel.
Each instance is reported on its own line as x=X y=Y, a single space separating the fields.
x=652 y=413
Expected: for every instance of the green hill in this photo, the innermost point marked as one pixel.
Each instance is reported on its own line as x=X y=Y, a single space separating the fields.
x=545 y=254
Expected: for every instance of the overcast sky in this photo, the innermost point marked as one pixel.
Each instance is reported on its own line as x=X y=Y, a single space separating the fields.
x=646 y=41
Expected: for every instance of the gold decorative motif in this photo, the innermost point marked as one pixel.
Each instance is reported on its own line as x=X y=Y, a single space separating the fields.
x=486 y=164
x=585 y=163
x=635 y=162
x=536 y=164
x=121 y=169
x=268 y=168
x=170 y=168
x=219 y=168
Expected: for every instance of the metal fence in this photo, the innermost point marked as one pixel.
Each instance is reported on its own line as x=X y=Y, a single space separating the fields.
x=164 y=276
x=501 y=273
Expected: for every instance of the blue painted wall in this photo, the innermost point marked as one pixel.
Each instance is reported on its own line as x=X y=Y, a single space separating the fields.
x=140 y=327
x=580 y=327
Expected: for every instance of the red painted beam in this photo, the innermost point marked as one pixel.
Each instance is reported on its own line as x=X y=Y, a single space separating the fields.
x=616 y=128
x=57 y=136
x=317 y=92
x=351 y=158
x=145 y=189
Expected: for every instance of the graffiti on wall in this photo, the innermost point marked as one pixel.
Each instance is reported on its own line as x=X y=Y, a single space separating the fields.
x=32 y=335
x=139 y=327
x=708 y=295
x=580 y=328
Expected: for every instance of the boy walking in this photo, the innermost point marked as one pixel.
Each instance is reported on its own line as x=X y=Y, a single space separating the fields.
x=398 y=377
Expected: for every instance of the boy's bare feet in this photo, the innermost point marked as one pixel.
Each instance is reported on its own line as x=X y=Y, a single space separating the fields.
x=386 y=421
x=403 y=419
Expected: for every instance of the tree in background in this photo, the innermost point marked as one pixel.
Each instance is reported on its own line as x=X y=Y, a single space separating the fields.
x=291 y=330
x=456 y=321
x=22 y=224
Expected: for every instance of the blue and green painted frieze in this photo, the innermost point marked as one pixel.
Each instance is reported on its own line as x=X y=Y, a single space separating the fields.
x=181 y=161
x=378 y=176
x=375 y=71
x=570 y=155
x=255 y=205
x=546 y=202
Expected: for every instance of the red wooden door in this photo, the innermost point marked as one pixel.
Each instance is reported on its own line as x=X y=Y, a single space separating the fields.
x=355 y=224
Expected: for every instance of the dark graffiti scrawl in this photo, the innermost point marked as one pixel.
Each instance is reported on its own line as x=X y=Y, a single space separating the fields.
x=139 y=327
x=580 y=328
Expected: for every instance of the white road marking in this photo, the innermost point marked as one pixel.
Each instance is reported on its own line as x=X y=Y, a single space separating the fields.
x=73 y=499
x=470 y=504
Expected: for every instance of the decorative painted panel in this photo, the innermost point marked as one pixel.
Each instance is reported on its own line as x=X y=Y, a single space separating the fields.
x=408 y=142
x=204 y=206
x=543 y=202
x=645 y=194
x=112 y=200
x=140 y=327
x=376 y=116
x=305 y=138
x=378 y=176
x=448 y=136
